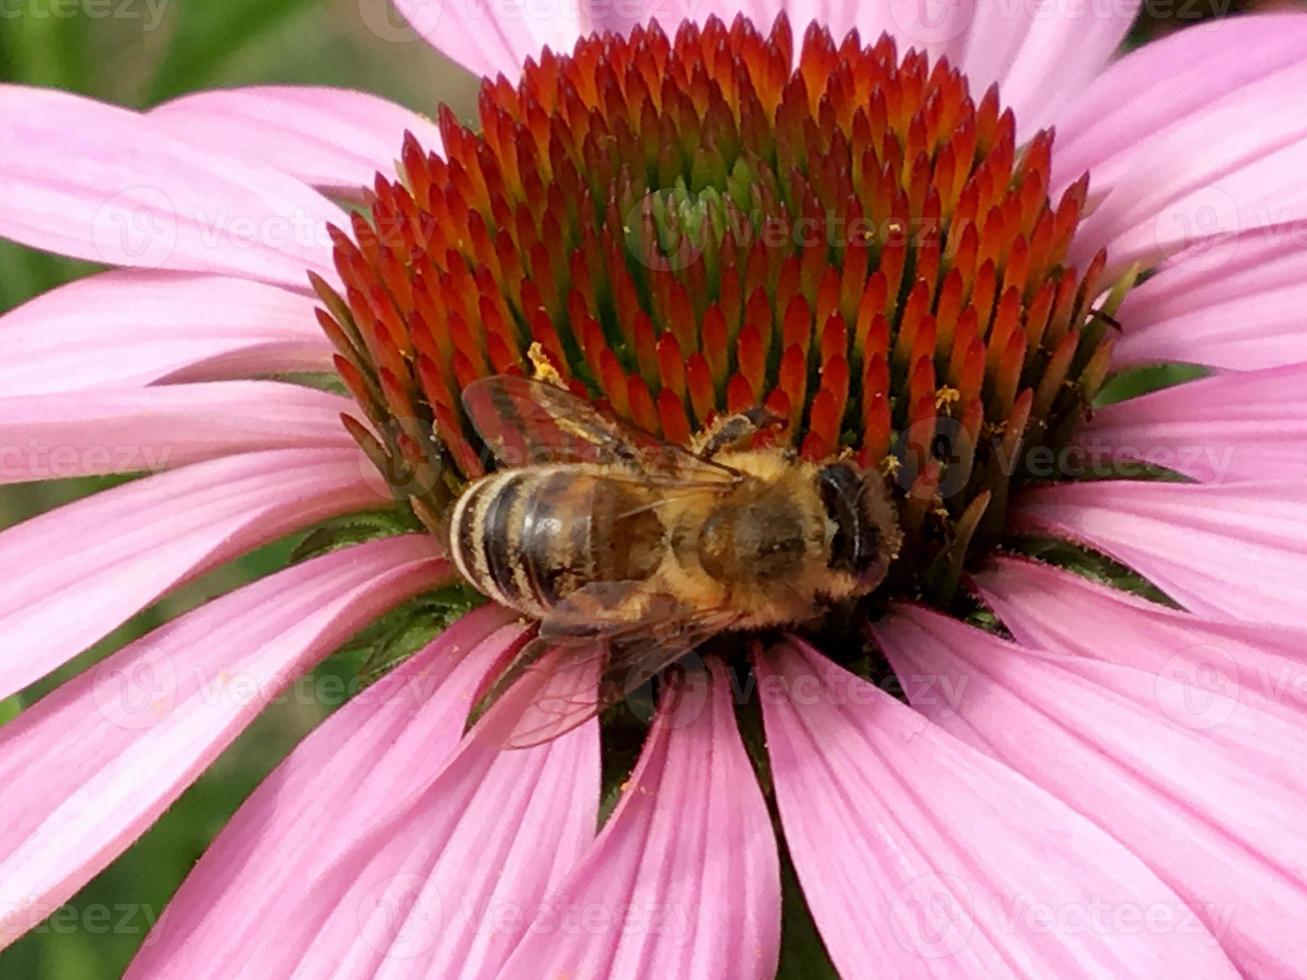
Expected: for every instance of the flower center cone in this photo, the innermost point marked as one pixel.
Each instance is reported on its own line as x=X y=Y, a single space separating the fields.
x=706 y=223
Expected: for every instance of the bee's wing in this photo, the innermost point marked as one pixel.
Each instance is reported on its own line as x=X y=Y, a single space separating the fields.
x=547 y=689
x=571 y=672
x=526 y=422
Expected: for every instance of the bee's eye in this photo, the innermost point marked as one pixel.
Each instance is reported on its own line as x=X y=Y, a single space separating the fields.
x=855 y=546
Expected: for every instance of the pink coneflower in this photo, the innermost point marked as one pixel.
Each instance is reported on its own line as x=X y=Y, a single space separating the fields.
x=869 y=229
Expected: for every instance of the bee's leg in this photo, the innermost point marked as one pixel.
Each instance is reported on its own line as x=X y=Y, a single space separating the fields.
x=731 y=430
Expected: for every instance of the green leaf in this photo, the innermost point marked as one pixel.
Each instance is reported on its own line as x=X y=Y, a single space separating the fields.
x=10 y=708
x=321 y=380
x=28 y=273
x=1134 y=382
x=1089 y=564
x=387 y=642
x=355 y=529
x=803 y=955
x=407 y=629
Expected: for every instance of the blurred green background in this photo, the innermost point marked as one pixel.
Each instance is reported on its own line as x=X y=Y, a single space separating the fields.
x=139 y=53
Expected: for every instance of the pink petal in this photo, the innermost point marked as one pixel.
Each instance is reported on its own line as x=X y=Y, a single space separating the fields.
x=1239 y=306
x=77 y=572
x=621 y=18
x=490 y=38
x=921 y=856
x=1042 y=57
x=1053 y=609
x=335 y=139
x=940 y=29
x=1230 y=552
x=685 y=872
x=125 y=328
x=448 y=886
x=1212 y=803
x=91 y=766
x=349 y=777
x=1167 y=82
x=52 y=437
x=99 y=182
x=1233 y=427
x=1207 y=179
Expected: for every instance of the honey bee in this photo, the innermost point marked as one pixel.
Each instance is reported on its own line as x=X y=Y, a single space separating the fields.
x=634 y=551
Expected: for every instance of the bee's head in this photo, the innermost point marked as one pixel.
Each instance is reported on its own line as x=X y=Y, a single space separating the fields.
x=866 y=533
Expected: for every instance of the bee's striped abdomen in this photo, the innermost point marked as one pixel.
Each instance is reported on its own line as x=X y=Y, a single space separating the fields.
x=523 y=537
